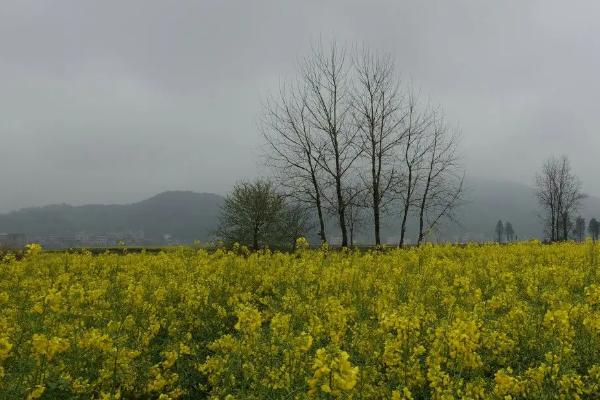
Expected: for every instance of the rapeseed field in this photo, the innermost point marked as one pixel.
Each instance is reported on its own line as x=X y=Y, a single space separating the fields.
x=517 y=321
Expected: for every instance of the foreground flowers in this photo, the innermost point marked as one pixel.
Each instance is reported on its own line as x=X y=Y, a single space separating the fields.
x=441 y=322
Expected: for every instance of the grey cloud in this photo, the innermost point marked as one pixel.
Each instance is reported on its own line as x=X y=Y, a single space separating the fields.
x=108 y=101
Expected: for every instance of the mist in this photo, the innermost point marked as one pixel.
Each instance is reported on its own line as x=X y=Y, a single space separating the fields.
x=113 y=102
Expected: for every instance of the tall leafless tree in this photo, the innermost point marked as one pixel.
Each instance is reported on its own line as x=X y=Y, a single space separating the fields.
x=377 y=114
x=546 y=193
x=347 y=119
x=509 y=231
x=412 y=151
x=594 y=228
x=328 y=101
x=499 y=230
x=289 y=135
x=356 y=195
x=441 y=187
x=559 y=193
x=579 y=228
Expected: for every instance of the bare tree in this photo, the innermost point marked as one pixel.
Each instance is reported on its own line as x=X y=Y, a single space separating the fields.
x=546 y=193
x=291 y=153
x=357 y=202
x=411 y=152
x=328 y=102
x=441 y=186
x=571 y=197
x=499 y=231
x=559 y=193
x=579 y=229
x=347 y=120
x=594 y=228
x=509 y=232
x=377 y=113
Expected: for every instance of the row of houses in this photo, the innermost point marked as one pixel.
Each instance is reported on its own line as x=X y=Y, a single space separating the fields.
x=12 y=240
x=84 y=239
x=81 y=239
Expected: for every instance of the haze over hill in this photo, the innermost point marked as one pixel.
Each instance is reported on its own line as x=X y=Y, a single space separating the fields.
x=488 y=201
x=187 y=216
x=170 y=94
x=184 y=215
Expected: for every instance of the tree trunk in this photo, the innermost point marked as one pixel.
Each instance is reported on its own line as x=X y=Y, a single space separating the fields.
x=255 y=239
x=376 y=221
x=341 y=212
x=375 y=182
x=409 y=188
x=403 y=227
x=406 y=209
x=340 y=196
x=421 y=222
x=376 y=213
x=424 y=203
x=319 y=208
x=321 y=223
x=552 y=224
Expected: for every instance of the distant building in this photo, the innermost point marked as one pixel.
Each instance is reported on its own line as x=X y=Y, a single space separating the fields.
x=89 y=240
x=98 y=241
x=13 y=240
x=53 y=241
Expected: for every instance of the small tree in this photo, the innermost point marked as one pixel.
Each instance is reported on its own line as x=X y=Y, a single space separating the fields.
x=251 y=215
x=594 y=228
x=294 y=223
x=499 y=231
x=508 y=231
x=579 y=229
x=559 y=193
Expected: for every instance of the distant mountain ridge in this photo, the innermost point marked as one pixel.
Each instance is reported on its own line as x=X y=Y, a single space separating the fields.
x=487 y=201
x=187 y=216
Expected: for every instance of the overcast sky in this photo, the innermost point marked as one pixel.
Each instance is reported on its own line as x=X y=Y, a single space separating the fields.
x=114 y=101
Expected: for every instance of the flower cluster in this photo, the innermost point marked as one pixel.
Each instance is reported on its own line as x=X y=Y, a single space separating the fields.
x=520 y=321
